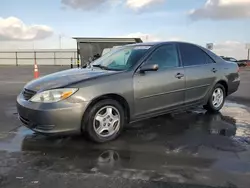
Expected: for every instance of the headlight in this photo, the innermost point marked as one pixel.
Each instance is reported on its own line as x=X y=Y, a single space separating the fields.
x=54 y=95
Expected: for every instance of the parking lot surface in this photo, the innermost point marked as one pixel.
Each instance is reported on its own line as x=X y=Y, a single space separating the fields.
x=188 y=149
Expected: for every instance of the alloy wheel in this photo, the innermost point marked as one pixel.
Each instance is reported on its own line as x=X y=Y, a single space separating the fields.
x=218 y=97
x=107 y=121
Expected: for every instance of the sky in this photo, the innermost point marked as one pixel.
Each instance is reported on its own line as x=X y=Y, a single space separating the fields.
x=51 y=24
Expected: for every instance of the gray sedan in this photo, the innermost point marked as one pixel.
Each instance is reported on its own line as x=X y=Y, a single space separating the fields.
x=127 y=84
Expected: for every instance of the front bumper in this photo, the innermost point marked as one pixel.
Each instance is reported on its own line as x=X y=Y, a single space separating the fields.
x=51 y=118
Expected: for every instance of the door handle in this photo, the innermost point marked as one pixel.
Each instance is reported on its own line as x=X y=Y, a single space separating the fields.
x=179 y=75
x=214 y=70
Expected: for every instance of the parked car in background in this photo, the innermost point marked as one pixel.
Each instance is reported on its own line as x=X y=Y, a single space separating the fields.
x=241 y=63
x=245 y=62
x=127 y=84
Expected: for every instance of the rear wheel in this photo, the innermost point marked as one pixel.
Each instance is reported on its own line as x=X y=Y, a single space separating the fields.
x=105 y=121
x=217 y=99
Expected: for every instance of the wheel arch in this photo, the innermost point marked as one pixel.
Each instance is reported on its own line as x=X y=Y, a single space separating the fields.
x=120 y=99
x=224 y=84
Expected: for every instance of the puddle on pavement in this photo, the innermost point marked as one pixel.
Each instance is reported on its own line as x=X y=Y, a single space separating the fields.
x=195 y=132
x=13 y=140
x=154 y=149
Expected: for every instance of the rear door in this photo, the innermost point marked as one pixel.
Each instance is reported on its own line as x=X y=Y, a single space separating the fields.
x=200 y=71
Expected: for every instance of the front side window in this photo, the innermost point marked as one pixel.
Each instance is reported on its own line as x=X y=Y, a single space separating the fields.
x=192 y=55
x=121 y=58
x=165 y=57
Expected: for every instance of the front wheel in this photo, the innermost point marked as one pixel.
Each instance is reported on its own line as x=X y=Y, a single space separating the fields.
x=105 y=121
x=217 y=99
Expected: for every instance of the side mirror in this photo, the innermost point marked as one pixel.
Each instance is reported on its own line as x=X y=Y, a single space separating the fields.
x=149 y=67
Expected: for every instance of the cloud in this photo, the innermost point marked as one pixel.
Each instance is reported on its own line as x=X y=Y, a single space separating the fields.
x=231 y=48
x=13 y=28
x=84 y=4
x=222 y=10
x=146 y=37
x=139 y=4
x=93 y=4
x=226 y=48
x=175 y=39
x=227 y=44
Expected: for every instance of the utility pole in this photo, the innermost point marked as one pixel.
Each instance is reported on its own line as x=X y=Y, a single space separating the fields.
x=248 y=50
x=60 y=41
x=248 y=54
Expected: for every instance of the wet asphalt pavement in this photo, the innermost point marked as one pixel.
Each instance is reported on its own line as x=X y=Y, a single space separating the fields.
x=188 y=149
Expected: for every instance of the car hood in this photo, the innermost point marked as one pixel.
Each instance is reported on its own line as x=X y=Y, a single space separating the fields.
x=65 y=78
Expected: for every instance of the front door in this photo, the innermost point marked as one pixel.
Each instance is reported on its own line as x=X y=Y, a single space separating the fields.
x=200 y=71
x=159 y=90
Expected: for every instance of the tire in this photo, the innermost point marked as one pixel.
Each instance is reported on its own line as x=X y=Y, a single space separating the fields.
x=92 y=124
x=211 y=106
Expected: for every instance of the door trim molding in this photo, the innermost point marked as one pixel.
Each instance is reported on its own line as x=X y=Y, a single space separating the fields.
x=205 y=85
x=163 y=93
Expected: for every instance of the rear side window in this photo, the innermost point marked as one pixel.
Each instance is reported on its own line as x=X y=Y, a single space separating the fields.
x=193 y=55
x=212 y=56
x=208 y=58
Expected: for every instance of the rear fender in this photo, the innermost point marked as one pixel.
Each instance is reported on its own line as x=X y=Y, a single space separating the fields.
x=210 y=91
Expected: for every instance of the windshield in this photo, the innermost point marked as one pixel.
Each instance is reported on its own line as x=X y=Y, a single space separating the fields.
x=121 y=58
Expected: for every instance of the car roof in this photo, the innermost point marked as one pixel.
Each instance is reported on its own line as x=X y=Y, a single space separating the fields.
x=210 y=53
x=158 y=43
